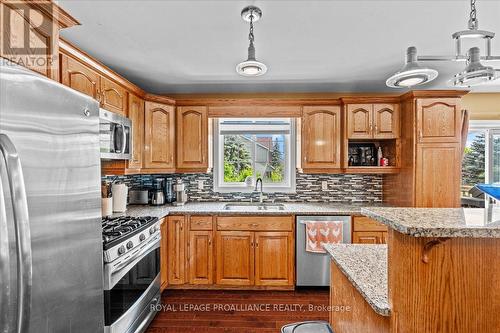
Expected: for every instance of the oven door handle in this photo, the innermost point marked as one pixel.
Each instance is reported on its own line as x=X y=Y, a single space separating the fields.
x=114 y=273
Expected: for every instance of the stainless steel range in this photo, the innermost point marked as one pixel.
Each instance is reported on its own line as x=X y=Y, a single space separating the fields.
x=131 y=272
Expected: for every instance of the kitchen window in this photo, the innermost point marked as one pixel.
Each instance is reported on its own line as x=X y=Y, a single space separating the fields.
x=481 y=162
x=249 y=148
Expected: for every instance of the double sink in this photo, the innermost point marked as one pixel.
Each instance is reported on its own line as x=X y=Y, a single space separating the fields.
x=250 y=206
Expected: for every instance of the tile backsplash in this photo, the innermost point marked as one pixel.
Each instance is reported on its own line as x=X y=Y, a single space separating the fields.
x=340 y=188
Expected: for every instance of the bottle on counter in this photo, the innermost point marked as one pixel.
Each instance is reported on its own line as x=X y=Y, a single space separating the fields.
x=380 y=156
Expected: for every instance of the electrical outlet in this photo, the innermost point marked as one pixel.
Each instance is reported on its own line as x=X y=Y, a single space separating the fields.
x=201 y=184
x=324 y=185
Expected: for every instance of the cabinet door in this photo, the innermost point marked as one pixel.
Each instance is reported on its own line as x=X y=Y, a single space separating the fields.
x=176 y=243
x=235 y=258
x=79 y=77
x=163 y=255
x=113 y=96
x=159 y=136
x=438 y=175
x=274 y=258
x=438 y=120
x=359 y=121
x=136 y=115
x=367 y=237
x=192 y=137
x=386 y=121
x=321 y=137
x=200 y=257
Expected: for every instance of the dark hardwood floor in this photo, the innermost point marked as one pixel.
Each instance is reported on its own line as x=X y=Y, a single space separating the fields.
x=237 y=311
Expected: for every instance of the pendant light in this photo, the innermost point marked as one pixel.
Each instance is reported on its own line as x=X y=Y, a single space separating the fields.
x=412 y=74
x=251 y=67
x=473 y=74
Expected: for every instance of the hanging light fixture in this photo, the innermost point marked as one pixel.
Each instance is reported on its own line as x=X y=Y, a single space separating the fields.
x=412 y=74
x=474 y=73
x=251 y=67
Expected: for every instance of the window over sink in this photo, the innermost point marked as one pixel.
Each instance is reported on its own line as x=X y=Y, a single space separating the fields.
x=249 y=148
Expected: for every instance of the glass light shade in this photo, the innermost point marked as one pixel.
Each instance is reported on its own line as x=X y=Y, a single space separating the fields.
x=412 y=74
x=251 y=68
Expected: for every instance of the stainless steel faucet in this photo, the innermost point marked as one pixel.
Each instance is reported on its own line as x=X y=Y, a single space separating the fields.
x=261 y=197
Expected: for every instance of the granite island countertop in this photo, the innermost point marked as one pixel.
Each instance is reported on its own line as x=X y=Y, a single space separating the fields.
x=365 y=266
x=206 y=208
x=435 y=222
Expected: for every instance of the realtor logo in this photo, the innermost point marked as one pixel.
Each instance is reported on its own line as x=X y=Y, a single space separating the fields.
x=28 y=33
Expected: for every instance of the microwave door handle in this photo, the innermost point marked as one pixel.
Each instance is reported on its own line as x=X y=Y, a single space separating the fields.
x=22 y=229
x=5 y=280
x=124 y=139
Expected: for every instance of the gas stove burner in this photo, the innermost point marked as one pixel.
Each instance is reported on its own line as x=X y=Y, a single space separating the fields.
x=118 y=229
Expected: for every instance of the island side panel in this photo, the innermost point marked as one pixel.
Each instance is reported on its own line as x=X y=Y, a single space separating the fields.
x=361 y=317
x=458 y=290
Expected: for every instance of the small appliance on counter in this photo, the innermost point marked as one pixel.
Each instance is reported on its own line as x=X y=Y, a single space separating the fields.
x=158 y=192
x=138 y=196
x=106 y=199
x=180 y=193
x=169 y=190
x=362 y=154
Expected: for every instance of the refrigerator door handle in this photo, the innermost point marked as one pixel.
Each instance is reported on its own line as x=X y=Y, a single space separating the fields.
x=4 y=267
x=22 y=228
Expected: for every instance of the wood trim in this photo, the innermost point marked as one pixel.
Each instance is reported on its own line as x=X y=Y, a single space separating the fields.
x=226 y=287
x=255 y=223
x=291 y=111
x=158 y=99
x=371 y=100
x=433 y=94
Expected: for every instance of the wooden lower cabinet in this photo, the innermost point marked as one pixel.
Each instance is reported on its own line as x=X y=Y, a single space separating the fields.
x=274 y=259
x=163 y=255
x=176 y=245
x=235 y=258
x=200 y=257
x=369 y=237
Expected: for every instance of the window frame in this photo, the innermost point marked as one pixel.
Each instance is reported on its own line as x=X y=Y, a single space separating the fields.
x=489 y=127
x=290 y=162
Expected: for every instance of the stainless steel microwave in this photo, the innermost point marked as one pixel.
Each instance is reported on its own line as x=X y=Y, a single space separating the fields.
x=115 y=136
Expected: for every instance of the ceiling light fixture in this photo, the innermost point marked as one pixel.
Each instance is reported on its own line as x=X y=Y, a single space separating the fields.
x=412 y=74
x=251 y=67
x=473 y=74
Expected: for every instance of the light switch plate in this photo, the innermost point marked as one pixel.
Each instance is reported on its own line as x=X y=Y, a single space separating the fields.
x=324 y=185
x=201 y=184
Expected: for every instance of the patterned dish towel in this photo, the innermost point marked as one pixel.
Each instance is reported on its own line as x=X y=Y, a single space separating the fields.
x=322 y=232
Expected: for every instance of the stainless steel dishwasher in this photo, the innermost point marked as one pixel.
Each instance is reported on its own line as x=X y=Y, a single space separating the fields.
x=313 y=269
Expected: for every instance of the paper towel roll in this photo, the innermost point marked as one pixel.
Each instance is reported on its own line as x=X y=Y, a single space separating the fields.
x=119 y=192
x=106 y=206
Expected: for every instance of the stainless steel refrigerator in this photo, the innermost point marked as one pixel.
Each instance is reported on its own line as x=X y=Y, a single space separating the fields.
x=50 y=229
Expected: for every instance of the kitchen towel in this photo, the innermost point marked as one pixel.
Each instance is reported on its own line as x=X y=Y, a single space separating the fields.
x=322 y=232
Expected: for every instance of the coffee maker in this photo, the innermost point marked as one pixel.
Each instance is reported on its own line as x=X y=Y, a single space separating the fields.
x=157 y=194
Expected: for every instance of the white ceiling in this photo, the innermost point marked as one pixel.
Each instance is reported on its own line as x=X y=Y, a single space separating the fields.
x=309 y=46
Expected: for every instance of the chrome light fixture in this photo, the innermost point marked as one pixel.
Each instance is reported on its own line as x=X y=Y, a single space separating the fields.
x=473 y=74
x=251 y=67
x=412 y=73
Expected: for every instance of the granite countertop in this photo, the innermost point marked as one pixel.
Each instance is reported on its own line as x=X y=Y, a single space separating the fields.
x=201 y=208
x=365 y=266
x=435 y=222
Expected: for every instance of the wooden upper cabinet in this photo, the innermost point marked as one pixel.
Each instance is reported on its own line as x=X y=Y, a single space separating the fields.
x=136 y=116
x=321 y=137
x=176 y=244
x=159 y=136
x=438 y=120
x=113 y=97
x=274 y=259
x=372 y=121
x=359 y=121
x=386 y=121
x=192 y=137
x=438 y=175
x=79 y=77
x=200 y=257
x=235 y=258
